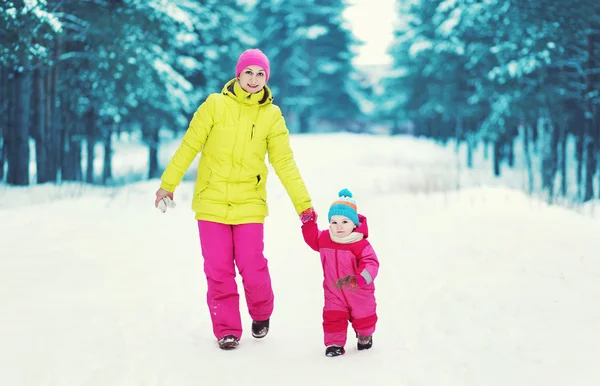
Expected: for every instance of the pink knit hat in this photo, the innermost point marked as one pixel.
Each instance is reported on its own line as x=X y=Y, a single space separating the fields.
x=253 y=57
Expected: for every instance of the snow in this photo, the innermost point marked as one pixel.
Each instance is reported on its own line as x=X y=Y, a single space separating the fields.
x=420 y=46
x=11 y=12
x=38 y=9
x=50 y=19
x=189 y=62
x=328 y=67
x=479 y=284
x=447 y=5
x=186 y=38
x=520 y=67
x=30 y=4
x=174 y=12
x=177 y=86
x=211 y=53
x=314 y=32
x=173 y=76
x=447 y=27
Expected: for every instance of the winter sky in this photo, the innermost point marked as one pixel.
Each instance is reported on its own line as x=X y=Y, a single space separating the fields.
x=372 y=21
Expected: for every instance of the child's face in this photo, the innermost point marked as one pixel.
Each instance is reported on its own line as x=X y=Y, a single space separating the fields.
x=253 y=79
x=341 y=226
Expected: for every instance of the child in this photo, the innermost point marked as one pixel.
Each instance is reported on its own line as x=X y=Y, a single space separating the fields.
x=349 y=268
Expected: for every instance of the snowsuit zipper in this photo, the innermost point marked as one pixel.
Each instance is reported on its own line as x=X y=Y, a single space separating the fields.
x=337 y=269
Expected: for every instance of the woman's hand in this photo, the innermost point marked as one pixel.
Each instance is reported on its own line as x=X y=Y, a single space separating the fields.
x=164 y=200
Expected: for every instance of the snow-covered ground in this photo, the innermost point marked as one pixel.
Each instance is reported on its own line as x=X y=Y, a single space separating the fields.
x=479 y=285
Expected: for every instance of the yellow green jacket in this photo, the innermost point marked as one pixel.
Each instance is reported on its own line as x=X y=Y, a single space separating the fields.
x=234 y=130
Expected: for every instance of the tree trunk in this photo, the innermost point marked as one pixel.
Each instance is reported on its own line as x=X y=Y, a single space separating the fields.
x=553 y=162
x=67 y=166
x=497 y=156
x=597 y=130
x=534 y=138
x=12 y=121
x=458 y=132
x=510 y=152
x=91 y=142
x=395 y=130
x=512 y=132
x=18 y=144
x=2 y=151
x=548 y=140
x=107 y=165
x=304 y=122
x=470 y=148
x=590 y=164
x=54 y=114
x=589 y=126
x=580 y=160
x=40 y=128
x=5 y=123
x=70 y=150
x=71 y=160
x=67 y=169
x=153 y=143
x=527 y=154
x=563 y=157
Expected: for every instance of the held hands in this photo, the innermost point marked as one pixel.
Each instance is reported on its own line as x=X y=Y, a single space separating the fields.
x=164 y=200
x=351 y=282
x=309 y=215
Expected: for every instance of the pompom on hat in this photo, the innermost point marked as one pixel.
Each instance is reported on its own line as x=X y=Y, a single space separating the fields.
x=344 y=206
x=253 y=57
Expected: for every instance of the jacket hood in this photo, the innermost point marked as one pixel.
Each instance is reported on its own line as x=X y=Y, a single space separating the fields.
x=233 y=90
x=362 y=226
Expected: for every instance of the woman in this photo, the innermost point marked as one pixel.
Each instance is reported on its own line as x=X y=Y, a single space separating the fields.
x=234 y=130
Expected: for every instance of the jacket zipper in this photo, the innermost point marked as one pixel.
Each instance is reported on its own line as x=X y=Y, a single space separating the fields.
x=337 y=269
x=252 y=134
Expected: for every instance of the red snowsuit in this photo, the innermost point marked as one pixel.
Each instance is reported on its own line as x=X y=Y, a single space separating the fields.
x=355 y=305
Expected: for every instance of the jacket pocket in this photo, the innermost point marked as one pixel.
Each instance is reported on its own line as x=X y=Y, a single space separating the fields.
x=203 y=181
x=261 y=187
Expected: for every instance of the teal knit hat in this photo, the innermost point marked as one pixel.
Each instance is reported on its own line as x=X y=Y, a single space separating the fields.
x=344 y=206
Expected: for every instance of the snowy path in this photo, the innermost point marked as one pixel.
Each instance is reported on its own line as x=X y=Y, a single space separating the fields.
x=479 y=287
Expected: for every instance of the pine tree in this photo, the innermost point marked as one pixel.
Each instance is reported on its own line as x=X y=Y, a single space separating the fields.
x=309 y=50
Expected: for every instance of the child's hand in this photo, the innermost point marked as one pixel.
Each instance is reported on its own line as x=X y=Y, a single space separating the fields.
x=351 y=282
x=309 y=215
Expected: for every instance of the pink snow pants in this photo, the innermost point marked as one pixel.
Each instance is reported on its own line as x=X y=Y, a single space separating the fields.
x=223 y=247
x=357 y=307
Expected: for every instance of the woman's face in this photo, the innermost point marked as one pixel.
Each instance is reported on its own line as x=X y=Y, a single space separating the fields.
x=252 y=79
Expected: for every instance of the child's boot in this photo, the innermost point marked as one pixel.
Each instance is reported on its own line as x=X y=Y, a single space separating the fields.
x=228 y=342
x=334 y=351
x=364 y=342
x=260 y=328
